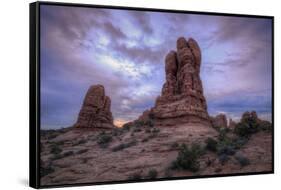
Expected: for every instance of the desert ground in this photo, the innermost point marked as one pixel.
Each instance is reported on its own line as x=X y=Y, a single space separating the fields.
x=144 y=151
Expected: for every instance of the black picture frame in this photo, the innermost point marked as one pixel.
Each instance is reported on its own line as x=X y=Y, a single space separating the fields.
x=34 y=93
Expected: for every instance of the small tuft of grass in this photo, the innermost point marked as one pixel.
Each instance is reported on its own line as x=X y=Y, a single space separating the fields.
x=46 y=171
x=145 y=140
x=150 y=123
x=104 y=139
x=168 y=172
x=174 y=145
x=223 y=158
x=117 y=132
x=155 y=130
x=240 y=142
x=124 y=145
x=55 y=149
x=243 y=161
x=135 y=176
x=82 y=151
x=136 y=130
x=139 y=123
x=127 y=126
x=152 y=174
x=147 y=130
x=81 y=141
x=68 y=153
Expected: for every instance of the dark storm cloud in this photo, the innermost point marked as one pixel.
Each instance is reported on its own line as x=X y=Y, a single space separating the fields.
x=142 y=20
x=114 y=32
x=125 y=52
x=236 y=27
x=141 y=54
x=71 y=21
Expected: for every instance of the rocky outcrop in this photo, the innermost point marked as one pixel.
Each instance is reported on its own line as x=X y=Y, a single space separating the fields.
x=246 y=116
x=95 y=111
x=182 y=97
x=232 y=124
x=146 y=115
x=219 y=121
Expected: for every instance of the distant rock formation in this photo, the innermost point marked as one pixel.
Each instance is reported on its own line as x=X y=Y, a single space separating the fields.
x=246 y=116
x=182 y=95
x=219 y=121
x=95 y=111
x=232 y=124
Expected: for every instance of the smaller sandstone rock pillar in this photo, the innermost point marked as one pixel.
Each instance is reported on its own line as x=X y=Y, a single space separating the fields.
x=95 y=111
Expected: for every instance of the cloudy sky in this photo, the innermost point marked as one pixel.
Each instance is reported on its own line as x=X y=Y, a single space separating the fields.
x=125 y=50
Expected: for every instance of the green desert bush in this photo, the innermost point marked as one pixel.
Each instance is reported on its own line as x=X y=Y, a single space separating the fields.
x=239 y=142
x=127 y=126
x=55 y=149
x=225 y=144
x=243 y=161
x=139 y=123
x=187 y=158
x=243 y=129
x=135 y=176
x=211 y=144
x=104 y=139
x=223 y=134
x=79 y=142
x=250 y=124
x=150 y=123
x=265 y=126
x=155 y=130
x=174 y=145
x=225 y=149
x=136 y=130
x=46 y=171
x=248 y=127
x=152 y=174
x=68 y=153
x=223 y=158
x=117 y=131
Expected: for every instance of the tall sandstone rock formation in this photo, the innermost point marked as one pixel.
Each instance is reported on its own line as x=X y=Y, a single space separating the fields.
x=95 y=111
x=182 y=98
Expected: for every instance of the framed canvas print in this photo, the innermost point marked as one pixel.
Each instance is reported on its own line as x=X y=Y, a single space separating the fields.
x=120 y=94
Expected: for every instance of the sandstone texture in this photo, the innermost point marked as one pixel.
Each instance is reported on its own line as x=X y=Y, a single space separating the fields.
x=182 y=99
x=95 y=111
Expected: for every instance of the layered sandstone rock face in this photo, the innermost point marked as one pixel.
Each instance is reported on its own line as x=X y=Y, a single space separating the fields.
x=182 y=94
x=95 y=111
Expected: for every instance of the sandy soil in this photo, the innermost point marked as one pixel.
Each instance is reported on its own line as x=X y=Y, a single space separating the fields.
x=77 y=156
